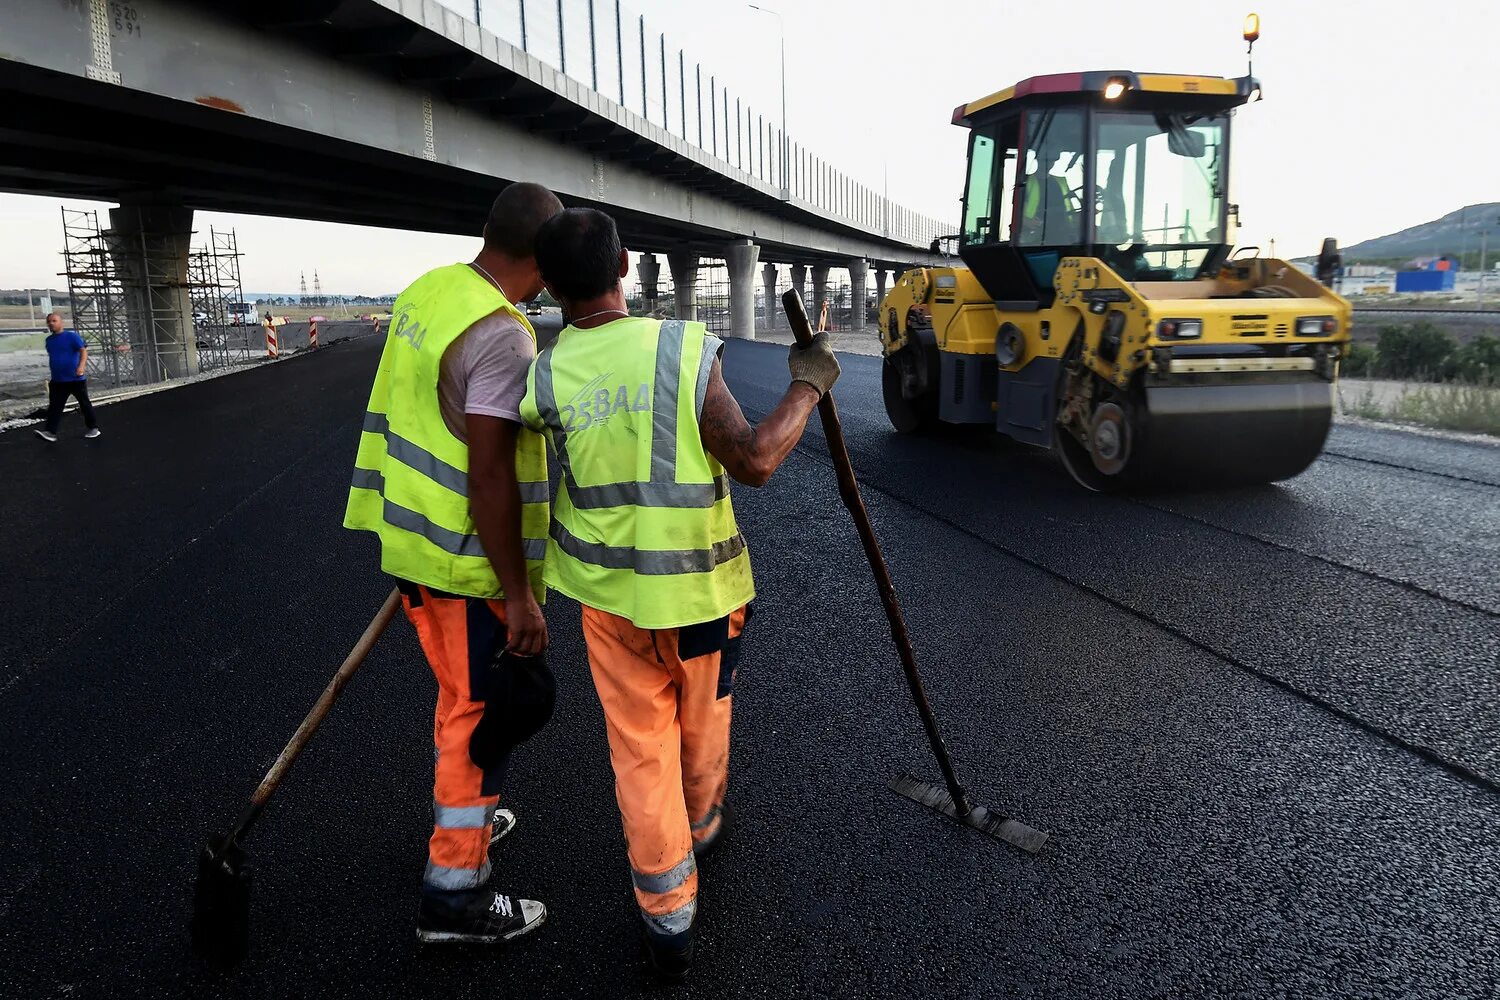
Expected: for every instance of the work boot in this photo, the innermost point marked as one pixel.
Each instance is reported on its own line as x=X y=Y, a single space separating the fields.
x=706 y=847
x=503 y=823
x=489 y=919
x=671 y=955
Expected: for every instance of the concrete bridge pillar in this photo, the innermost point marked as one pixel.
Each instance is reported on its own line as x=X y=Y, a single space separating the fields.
x=648 y=270
x=820 y=291
x=799 y=282
x=859 y=282
x=684 y=266
x=773 y=304
x=740 y=256
x=880 y=278
x=149 y=246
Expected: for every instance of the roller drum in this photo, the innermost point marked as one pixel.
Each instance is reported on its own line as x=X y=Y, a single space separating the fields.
x=1236 y=433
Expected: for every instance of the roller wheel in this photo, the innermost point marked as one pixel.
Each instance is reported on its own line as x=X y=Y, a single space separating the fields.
x=907 y=416
x=1082 y=467
x=1101 y=461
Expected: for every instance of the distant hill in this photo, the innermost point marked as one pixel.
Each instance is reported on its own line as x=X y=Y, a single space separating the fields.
x=1455 y=233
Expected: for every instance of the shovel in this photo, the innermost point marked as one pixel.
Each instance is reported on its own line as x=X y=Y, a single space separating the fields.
x=950 y=799
x=221 y=900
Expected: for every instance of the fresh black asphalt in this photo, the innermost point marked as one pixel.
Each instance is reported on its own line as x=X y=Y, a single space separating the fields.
x=1262 y=725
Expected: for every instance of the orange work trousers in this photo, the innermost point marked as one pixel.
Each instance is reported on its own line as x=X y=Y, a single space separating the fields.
x=667 y=718
x=460 y=637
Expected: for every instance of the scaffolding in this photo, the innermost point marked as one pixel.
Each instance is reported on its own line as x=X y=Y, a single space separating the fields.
x=711 y=293
x=98 y=299
x=213 y=288
x=129 y=301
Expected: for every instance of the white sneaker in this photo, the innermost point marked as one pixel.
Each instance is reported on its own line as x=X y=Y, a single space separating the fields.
x=92 y=432
x=45 y=435
x=503 y=822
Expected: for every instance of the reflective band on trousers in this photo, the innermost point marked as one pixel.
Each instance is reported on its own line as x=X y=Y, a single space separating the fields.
x=455 y=879
x=677 y=922
x=648 y=562
x=461 y=817
x=707 y=821
x=434 y=468
x=453 y=542
x=668 y=880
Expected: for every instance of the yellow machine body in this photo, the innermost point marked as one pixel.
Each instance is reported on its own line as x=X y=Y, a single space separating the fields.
x=1196 y=367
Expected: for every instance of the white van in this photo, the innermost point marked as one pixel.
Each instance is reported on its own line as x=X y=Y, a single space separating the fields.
x=243 y=314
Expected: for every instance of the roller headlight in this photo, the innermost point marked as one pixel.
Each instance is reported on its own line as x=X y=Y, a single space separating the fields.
x=1317 y=326
x=1179 y=329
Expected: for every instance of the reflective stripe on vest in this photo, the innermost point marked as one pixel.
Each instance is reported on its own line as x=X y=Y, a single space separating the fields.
x=644 y=526
x=411 y=479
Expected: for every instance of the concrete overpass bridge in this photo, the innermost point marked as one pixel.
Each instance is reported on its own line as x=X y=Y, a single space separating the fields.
x=409 y=114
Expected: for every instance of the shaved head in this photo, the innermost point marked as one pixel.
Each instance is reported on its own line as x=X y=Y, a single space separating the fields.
x=516 y=216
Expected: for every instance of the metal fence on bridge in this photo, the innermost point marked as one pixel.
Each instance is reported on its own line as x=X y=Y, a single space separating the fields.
x=606 y=46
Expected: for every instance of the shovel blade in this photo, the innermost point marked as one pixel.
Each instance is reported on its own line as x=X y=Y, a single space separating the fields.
x=936 y=797
x=221 y=904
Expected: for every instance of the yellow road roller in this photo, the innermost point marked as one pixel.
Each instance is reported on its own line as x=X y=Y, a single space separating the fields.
x=1102 y=310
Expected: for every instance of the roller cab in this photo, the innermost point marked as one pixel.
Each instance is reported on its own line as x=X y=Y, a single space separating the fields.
x=1099 y=312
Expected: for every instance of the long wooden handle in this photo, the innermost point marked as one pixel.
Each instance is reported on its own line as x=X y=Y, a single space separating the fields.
x=833 y=431
x=319 y=712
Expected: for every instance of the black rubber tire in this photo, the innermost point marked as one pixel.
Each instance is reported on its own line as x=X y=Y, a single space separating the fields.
x=907 y=416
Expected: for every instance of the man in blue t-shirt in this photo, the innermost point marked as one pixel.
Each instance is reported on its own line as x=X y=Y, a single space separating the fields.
x=69 y=356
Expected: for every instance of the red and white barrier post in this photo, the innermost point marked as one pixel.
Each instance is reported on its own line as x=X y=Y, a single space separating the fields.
x=272 y=350
x=312 y=333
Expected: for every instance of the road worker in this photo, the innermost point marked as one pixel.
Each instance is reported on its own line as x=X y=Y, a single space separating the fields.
x=456 y=490
x=644 y=537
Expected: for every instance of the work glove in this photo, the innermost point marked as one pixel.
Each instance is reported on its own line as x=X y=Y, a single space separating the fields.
x=815 y=364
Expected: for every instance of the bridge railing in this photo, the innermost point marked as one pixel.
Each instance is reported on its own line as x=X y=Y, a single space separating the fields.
x=621 y=55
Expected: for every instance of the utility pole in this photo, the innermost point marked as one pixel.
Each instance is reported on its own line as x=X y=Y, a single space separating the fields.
x=31 y=306
x=786 y=193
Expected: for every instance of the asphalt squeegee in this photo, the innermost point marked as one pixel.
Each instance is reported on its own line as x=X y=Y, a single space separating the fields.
x=221 y=900
x=950 y=799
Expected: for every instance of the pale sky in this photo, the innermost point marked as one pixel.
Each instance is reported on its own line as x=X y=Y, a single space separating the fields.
x=1377 y=113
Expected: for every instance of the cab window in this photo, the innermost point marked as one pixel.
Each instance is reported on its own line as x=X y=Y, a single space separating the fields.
x=1050 y=210
x=990 y=187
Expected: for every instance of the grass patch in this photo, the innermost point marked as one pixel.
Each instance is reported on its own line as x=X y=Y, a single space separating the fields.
x=22 y=342
x=1366 y=405
x=1452 y=406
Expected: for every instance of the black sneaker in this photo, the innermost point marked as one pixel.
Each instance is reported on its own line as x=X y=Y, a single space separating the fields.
x=706 y=847
x=503 y=822
x=489 y=920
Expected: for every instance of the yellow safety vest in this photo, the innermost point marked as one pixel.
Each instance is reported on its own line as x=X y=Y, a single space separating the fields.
x=644 y=527
x=411 y=475
x=1032 y=208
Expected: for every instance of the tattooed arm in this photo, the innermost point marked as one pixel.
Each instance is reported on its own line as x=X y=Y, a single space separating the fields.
x=751 y=454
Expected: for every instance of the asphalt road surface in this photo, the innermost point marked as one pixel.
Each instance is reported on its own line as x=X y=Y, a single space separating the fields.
x=1262 y=726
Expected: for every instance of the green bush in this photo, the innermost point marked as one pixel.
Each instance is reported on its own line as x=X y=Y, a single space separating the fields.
x=1414 y=351
x=1359 y=363
x=1477 y=362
